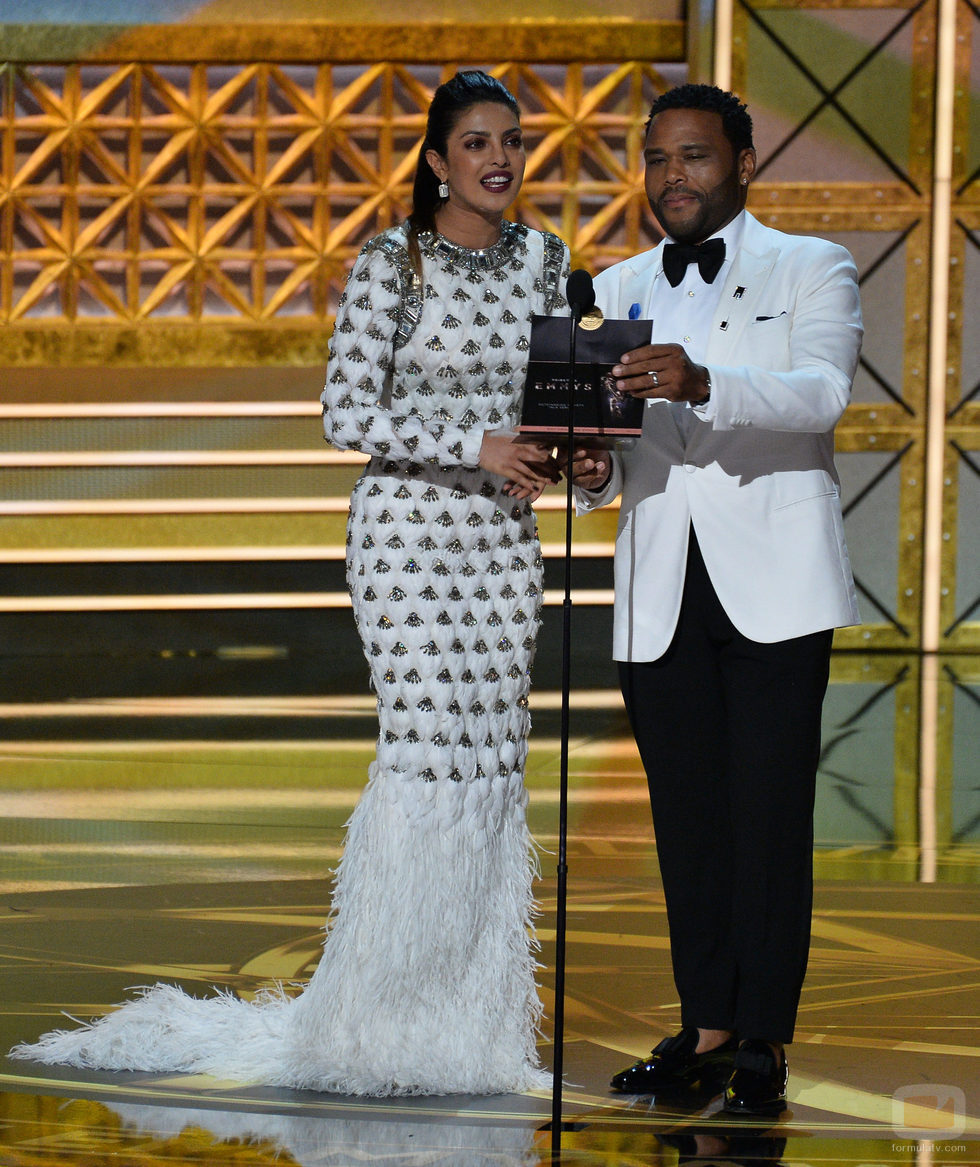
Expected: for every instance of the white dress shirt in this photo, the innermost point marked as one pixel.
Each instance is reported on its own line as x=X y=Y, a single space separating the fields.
x=684 y=315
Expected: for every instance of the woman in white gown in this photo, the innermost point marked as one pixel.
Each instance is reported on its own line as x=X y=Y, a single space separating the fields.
x=426 y=982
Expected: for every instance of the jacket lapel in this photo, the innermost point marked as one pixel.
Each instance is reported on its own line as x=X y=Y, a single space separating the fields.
x=637 y=276
x=740 y=296
x=747 y=278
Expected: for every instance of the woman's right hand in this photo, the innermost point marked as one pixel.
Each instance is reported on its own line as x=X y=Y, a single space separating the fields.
x=528 y=467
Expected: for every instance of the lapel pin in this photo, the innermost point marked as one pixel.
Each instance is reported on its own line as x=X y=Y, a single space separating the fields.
x=738 y=293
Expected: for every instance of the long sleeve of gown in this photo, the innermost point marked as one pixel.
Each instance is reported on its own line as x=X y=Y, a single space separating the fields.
x=358 y=413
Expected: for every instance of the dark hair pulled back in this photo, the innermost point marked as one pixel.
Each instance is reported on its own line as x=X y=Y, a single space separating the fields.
x=450 y=101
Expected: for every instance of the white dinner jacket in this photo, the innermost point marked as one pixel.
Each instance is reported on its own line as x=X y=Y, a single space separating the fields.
x=757 y=476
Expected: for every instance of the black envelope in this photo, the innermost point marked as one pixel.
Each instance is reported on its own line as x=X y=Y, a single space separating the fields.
x=603 y=414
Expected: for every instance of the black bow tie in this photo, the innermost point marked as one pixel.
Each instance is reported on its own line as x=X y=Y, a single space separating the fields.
x=709 y=257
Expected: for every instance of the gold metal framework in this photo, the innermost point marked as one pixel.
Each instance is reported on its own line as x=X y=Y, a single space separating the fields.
x=160 y=209
x=912 y=55
x=196 y=213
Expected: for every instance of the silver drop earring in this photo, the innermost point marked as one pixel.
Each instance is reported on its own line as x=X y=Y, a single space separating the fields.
x=444 y=190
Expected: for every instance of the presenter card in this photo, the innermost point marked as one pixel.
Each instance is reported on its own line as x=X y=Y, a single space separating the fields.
x=601 y=413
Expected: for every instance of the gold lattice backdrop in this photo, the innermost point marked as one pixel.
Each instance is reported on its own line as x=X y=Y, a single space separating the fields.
x=159 y=211
x=181 y=213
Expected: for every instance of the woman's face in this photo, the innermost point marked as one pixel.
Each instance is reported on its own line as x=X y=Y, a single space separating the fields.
x=484 y=162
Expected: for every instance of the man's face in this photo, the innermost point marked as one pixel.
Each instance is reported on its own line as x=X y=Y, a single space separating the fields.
x=693 y=175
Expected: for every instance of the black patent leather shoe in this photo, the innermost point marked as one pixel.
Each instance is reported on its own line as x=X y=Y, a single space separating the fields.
x=758 y=1082
x=674 y=1065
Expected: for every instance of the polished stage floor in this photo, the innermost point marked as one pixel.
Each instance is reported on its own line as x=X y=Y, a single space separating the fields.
x=192 y=840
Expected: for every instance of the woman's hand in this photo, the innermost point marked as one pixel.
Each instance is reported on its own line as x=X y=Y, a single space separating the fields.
x=527 y=466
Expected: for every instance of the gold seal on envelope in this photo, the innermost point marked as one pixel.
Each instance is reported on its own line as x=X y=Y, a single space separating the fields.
x=591 y=319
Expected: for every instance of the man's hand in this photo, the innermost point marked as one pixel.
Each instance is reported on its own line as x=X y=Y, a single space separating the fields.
x=662 y=370
x=590 y=467
x=528 y=467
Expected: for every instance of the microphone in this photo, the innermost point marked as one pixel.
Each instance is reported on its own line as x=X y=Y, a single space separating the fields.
x=579 y=293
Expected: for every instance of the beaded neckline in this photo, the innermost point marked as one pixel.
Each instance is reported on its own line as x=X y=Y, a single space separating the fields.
x=483 y=259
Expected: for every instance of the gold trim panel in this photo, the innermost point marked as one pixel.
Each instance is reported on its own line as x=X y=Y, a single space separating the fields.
x=410 y=41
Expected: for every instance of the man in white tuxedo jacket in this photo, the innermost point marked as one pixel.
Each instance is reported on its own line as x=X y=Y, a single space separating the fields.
x=731 y=574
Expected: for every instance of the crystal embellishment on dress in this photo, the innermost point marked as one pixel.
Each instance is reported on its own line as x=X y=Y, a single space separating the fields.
x=511 y=242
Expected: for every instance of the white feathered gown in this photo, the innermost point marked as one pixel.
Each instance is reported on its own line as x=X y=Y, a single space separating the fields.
x=426 y=982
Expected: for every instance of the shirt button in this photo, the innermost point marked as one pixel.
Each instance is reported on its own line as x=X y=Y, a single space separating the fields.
x=691 y=294
x=687 y=340
x=689 y=468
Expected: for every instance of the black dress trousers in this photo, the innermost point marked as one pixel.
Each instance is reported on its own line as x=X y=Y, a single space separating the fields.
x=729 y=733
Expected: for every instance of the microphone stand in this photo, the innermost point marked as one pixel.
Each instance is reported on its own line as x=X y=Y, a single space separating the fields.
x=562 y=886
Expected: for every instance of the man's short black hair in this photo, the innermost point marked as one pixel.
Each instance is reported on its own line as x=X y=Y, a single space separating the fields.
x=735 y=120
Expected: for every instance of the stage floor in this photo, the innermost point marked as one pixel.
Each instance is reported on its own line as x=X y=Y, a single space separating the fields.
x=204 y=858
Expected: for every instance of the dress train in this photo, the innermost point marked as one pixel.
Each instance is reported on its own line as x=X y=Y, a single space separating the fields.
x=425 y=985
